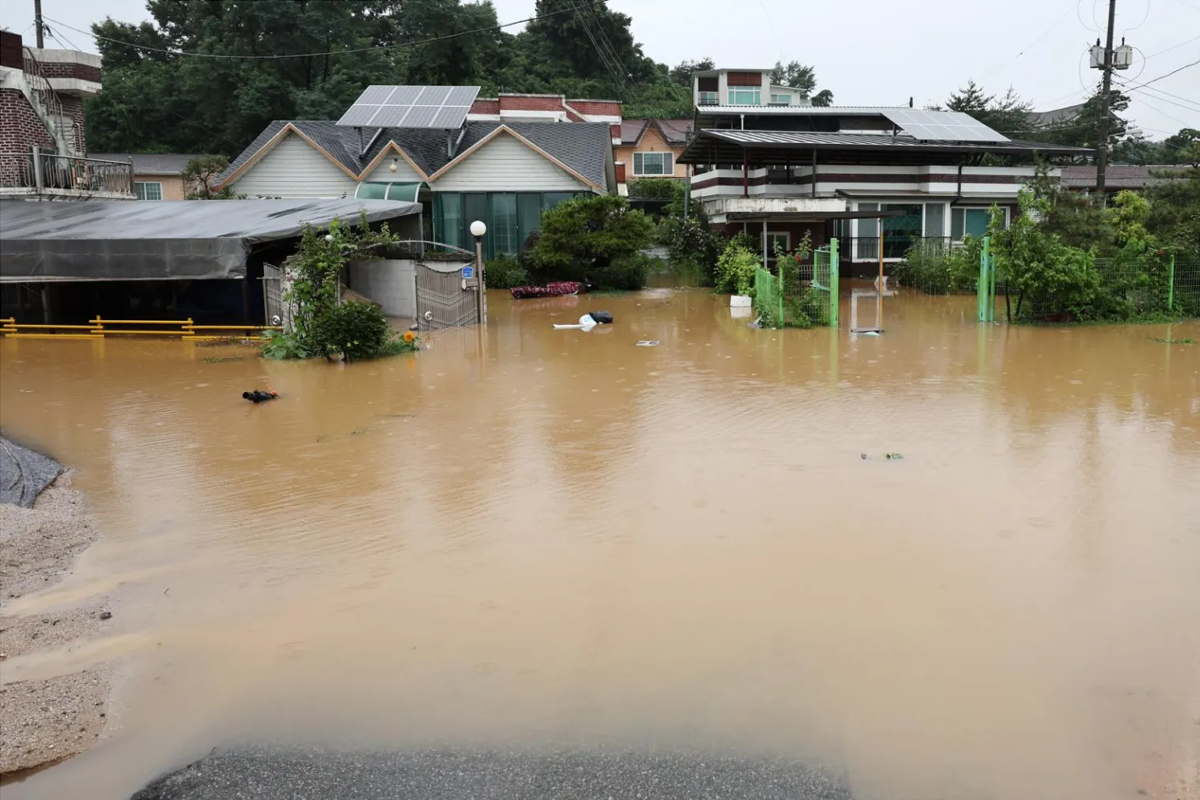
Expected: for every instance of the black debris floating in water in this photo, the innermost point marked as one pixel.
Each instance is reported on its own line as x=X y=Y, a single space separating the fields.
x=259 y=396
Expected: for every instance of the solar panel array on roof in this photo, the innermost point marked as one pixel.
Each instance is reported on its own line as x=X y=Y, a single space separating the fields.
x=411 y=107
x=941 y=126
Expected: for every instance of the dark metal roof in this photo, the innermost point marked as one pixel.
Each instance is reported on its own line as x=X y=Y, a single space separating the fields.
x=675 y=131
x=585 y=147
x=150 y=163
x=632 y=130
x=1117 y=177
x=728 y=146
x=121 y=240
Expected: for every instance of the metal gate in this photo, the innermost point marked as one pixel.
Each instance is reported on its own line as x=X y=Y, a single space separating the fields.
x=274 y=308
x=442 y=302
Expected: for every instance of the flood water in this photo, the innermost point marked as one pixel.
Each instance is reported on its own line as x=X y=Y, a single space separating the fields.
x=542 y=537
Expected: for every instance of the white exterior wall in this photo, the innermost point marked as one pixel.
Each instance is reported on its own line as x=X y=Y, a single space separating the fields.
x=383 y=173
x=293 y=168
x=391 y=283
x=506 y=165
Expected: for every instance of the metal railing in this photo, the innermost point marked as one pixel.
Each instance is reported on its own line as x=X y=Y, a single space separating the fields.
x=38 y=172
x=895 y=245
x=98 y=328
x=48 y=102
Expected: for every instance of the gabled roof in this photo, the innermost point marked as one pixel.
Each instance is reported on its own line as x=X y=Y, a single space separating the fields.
x=582 y=148
x=674 y=131
x=632 y=130
x=150 y=163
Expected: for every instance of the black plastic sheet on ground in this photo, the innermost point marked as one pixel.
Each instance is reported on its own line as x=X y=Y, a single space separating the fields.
x=24 y=473
x=122 y=240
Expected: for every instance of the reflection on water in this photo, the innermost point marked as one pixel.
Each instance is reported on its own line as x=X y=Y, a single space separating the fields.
x=540 y=535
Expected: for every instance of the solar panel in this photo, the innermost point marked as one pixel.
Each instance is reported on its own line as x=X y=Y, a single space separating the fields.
x=411 y=107
x=941 y=126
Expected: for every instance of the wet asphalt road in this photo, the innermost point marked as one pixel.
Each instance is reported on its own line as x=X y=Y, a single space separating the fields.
x=458 y=775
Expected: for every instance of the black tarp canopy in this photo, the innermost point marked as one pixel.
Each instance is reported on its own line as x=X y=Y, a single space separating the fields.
x=124 y=240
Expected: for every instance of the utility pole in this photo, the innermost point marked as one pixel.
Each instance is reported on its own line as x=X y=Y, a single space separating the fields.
x=1106 y=90
x=37 y=23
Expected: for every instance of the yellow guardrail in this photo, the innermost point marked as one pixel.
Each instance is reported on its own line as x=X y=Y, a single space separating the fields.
x=98 y=328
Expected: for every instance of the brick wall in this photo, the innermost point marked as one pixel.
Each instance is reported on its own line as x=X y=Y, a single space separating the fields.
x=83 y=72
x=608 y=108
x=73 y=107
x=19 y=129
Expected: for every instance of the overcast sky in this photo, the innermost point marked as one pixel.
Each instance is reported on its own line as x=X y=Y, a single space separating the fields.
x=871 y=52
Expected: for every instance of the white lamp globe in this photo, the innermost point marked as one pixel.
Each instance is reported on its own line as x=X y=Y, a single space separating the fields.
x=329 y=237
x=478 y=229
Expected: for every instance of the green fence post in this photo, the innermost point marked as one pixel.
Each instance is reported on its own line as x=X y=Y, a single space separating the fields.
x=1171 y=286
x=981 y=290
x=833 y=282
x=991 y=309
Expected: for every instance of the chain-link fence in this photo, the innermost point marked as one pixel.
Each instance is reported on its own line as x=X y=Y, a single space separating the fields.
x=803 y=294
x=1148 y=288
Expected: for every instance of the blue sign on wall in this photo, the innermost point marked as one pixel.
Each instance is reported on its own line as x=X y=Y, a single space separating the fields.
x=468 y=273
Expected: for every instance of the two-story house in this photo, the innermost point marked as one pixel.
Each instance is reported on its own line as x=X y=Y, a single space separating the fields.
x=43 y=147
x=875 y=177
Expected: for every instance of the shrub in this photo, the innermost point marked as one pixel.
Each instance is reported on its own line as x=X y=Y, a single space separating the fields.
x=587 y=238
x=282 y=345
x=736 y=268
x=355 y=329
x=930 y=266
x=626 y=274
x=504 y=272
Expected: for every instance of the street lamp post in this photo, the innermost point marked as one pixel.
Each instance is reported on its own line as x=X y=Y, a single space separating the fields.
x=478 y=230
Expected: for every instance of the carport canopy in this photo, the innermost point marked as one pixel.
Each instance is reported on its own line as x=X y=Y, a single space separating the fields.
x=126 y=240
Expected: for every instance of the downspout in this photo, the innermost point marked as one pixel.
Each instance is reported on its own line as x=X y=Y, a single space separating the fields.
x=958 y=195
x=745 y=174
x=814 y=173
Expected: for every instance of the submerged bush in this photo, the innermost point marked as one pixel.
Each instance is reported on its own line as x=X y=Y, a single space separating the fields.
x=933 y=267
x=354 y=329
x=736 y=267
x=504 y=272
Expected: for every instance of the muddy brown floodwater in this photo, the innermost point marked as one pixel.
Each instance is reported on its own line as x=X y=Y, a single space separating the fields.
x=557 y=536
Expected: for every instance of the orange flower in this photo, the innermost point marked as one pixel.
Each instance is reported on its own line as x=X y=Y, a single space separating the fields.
x=408 y=337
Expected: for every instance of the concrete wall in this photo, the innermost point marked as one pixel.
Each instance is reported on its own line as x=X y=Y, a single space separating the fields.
x=391 y=283
x=293 y=168
x=507 y=165
x=651 y=142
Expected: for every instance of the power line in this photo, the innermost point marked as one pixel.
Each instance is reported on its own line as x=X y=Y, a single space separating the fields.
x=1144 y=93
x=1165 y=114
x=608 y=64
x=1157 y=91
x=1173 y=47
x=1026 y=49
x=1145 y=17
x=1165 y=75
x=398 y=46
x=612 y=51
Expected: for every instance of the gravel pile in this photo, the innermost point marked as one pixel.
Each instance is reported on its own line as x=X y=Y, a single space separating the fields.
x=42 y=721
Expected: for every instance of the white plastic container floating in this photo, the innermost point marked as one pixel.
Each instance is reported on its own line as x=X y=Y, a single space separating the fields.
x=739 y=301
x=741 y=313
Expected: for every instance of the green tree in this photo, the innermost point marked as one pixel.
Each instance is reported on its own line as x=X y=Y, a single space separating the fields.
x=200 y=176
x=681 y=73
x=1008 y=115
x=596 y=238
x=802 y=77
x=1174 y=217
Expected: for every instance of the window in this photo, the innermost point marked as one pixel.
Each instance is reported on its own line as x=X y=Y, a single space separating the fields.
x=745 y=95
x=448 y=226
x=898 y=230
x=973 y=221
x=708 y=98
x=148 y=190
x=781 y=99
x=653 y=164
x=935 y=219
x=502 y=227
x=781 y=240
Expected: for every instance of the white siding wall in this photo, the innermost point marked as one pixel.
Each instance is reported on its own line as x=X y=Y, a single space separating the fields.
x=383 y=174
x=294 y=169
x=506 y=165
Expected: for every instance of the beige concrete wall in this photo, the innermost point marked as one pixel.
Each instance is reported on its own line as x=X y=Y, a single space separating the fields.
x=652 y=142
x=172 y=185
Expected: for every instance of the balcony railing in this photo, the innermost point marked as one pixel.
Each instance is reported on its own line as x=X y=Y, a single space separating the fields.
x=895 y=245
x=36 y=173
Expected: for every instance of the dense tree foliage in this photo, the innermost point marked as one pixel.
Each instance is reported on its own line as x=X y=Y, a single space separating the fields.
x=253 y=61
x=802 y=77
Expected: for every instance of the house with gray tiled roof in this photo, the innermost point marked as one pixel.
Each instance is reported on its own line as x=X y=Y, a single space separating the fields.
x=504 y=173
